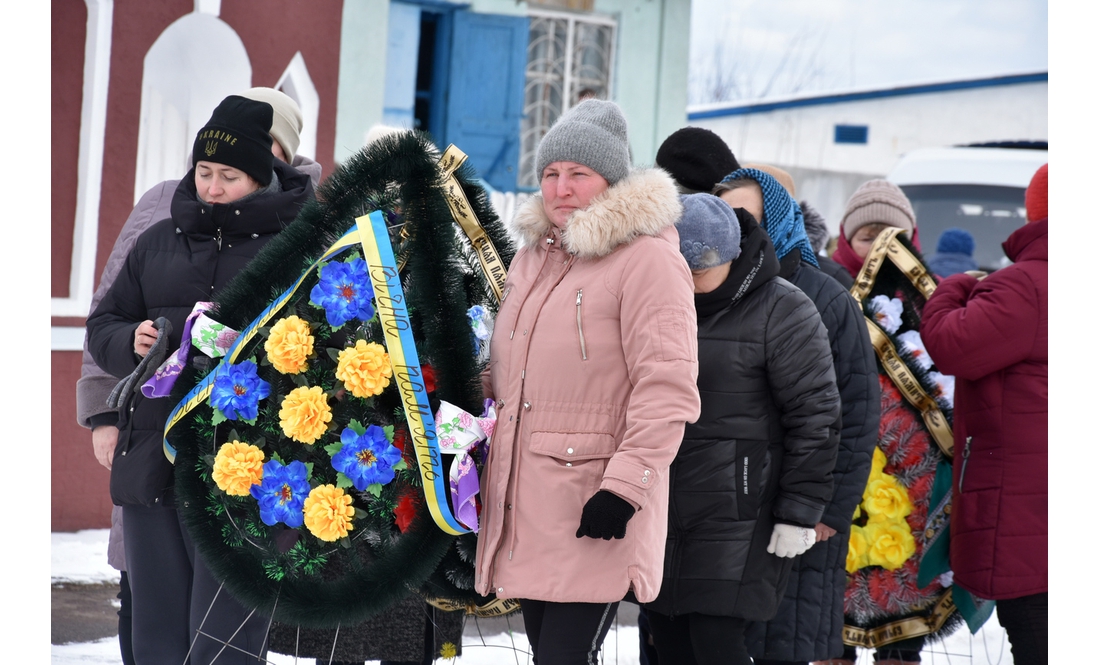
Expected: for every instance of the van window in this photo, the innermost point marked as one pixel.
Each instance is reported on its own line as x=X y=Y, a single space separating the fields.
x=990 y=213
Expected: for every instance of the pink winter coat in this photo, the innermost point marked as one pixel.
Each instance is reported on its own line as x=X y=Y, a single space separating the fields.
x=593 y=364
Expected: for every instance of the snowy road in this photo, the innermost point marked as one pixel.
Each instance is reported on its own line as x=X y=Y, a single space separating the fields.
x=81 y=558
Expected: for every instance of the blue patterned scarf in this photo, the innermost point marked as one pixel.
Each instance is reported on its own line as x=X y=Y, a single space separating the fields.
x=782 y=216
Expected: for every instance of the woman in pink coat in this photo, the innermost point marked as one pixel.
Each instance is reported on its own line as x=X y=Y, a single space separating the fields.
x=593 y=364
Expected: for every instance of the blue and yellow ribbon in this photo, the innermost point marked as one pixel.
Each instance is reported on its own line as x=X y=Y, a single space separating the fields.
x=393 y=314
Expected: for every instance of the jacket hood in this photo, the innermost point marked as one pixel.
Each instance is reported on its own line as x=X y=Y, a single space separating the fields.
x=261 y=215
x=645 y=202
x=748 y=272
x=1027 y=243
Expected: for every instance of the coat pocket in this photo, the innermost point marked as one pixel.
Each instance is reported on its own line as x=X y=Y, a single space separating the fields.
x=140 y=473
x=571 y=447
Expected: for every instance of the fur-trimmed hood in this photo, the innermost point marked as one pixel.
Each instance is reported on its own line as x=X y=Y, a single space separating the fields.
x=645 y=202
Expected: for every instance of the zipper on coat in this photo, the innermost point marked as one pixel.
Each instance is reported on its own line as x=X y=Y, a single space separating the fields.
x=218 y=237
x=966 y=458
x=580 y=328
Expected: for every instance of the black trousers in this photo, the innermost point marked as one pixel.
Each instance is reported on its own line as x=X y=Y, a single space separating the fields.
x=566 y=633
x=174 y=595
x=698 y=639
x=1025 y=621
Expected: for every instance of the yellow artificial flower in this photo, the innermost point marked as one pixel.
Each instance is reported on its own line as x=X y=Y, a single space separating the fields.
x=448 y=650
x=857 y=550
x=289 y=345
x=237 y=467
x=887 y=498
x=328 y=512
x=365 y=368
x=890 y=542
x=305 y=414
x=878 y=463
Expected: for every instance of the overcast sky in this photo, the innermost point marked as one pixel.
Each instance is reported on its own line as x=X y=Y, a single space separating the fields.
x=777 y=47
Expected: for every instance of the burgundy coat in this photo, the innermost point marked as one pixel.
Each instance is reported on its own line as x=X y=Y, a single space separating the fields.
x=992 y=336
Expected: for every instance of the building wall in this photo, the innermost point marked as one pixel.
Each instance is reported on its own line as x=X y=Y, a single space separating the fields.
x=800 y=139
x=803 y=136
x=651 y=69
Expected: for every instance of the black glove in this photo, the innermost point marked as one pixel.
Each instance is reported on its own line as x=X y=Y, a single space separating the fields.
x=605 y=516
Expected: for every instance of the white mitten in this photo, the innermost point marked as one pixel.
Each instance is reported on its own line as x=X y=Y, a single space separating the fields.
x=789 y=540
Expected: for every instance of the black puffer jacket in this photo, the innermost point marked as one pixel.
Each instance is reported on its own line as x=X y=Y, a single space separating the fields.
x=762 y=450
x=177 y=262
x=810 y=620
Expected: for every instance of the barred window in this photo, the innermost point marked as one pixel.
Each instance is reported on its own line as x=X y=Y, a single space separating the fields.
x=569 y=58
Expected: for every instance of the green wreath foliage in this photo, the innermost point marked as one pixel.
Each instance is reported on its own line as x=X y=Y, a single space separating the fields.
x=286 y=573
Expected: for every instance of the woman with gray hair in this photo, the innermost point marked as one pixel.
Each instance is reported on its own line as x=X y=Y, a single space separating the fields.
x=593 y=366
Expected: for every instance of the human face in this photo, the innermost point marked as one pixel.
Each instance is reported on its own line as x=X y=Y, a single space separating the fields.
x=709 y=279
x=568 y=187
x=863 y=238
x=751 y=198
x=218 y=183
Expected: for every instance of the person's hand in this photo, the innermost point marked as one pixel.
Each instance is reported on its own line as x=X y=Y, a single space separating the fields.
x=977 y=274
x=789 y=540
x=144 y=337
x=605 y=516
x=104 y=440
x=824 y=532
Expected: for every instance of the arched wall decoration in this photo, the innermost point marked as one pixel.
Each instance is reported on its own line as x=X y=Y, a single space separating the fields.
x=194 y=64
x=298 y=85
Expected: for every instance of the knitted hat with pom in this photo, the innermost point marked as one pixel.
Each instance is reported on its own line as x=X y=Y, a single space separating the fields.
x=956 y=241
x=878 y=201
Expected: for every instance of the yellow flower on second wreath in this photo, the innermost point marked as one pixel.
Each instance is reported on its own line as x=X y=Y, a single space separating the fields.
x=237 y=467
x=886 y=497
x=890 y=543
x=305 y=414
x=448 y=650
x=328 y=512
x=364 y=368
x=878 y=463
x=857 y=550
x=289 y=345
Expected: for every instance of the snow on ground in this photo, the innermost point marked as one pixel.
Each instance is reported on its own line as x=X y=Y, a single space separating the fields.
x=81 y=558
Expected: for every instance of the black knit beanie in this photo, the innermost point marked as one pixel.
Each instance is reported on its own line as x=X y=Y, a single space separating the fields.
x=238 y=135
x=696 y=158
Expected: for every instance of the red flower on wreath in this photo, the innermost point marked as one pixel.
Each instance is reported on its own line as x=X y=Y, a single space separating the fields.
x=405 y=510
x=429 y=378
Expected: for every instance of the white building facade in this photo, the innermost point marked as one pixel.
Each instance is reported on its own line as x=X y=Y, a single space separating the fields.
x=831 y=143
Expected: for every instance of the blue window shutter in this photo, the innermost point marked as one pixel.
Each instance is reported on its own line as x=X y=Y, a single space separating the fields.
x=485 y=105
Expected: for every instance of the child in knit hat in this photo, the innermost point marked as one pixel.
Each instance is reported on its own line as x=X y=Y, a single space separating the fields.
x=876 y=205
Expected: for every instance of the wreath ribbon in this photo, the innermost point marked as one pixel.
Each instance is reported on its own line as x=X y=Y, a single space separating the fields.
x=903 y=629
x=397 y=330
x=887 y=247
x=463 y=214
x=910 y=387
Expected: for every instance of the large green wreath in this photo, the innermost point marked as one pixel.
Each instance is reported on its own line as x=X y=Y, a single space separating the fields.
x=288 y=573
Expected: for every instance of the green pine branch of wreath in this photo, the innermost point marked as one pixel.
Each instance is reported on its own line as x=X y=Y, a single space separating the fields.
x=304 y=581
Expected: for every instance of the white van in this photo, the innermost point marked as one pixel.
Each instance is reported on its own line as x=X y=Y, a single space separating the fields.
x=979 y=188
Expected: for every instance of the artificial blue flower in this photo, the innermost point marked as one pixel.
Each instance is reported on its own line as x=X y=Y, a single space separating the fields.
x=366 y=458
x=238 y=390
x=282 y=493
x=344 y=291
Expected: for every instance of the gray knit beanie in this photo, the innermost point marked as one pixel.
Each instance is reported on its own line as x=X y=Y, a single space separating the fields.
x=878 y=201
x=710 y=234
x=592 y=133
